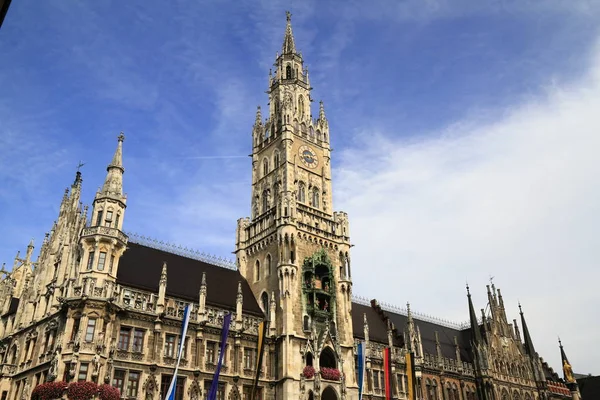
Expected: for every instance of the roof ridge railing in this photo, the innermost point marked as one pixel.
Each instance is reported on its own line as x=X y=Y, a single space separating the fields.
x=403 y=311
x=181 y=251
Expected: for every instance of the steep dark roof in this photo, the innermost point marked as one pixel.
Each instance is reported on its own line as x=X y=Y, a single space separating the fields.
x=589 y=387
x=378 y=331
x=377 y=327
x=141 y=266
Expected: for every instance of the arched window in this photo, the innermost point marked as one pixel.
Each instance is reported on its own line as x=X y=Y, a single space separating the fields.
x=268 y=265
x=329 y=394
x=327 y=358
x=264 y=302
x=288 y=72
x=455 y=392
x=257 y=270
x=315 y=198
x=276 y=160
x=311 y=132
x=301 y=106
x=302 y=192
x=319 y=135
x=309 y=358
x=265 y=167
x=434 y=390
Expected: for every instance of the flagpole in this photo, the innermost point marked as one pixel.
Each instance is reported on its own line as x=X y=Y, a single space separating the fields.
x=184 y=326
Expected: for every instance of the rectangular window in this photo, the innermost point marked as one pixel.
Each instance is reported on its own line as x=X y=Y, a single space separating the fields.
x=109 y=215
x=138 y=340
x=224 y=355
x=248 y=358
x=376 y=379
x=165 y=382
x=75 y=329
x=83 y=372
x=117 y=221
x=66 y=375
x=99 y=218
x=170 y=346
x=90 y=262
x=101 y=261
x=210 y=352
x=124 y=336
x=133 y=384
x=91 y=328
x=119 y=380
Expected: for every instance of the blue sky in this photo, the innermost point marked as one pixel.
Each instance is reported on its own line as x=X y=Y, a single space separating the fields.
x=484 y=106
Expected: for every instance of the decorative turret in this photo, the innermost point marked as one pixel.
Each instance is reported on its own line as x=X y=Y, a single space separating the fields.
x=239 y=301
x=162 y=290
x=104 y=242
x=529 y=349
x=272 y=316
x=473 y=319
x=202 y=299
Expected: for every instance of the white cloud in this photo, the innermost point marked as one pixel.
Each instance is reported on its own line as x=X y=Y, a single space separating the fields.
x=516 y=198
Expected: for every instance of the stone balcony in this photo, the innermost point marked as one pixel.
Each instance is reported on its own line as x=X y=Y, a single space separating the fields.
x=105 y=231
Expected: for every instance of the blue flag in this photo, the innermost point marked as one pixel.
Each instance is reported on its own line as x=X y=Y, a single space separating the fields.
x=212 y=394
x=361 y=350
x=186 y=320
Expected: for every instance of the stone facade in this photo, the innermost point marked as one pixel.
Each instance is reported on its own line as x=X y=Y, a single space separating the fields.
x=98 y=305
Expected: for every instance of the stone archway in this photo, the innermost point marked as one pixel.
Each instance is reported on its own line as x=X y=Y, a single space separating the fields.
x=327 y=358
x=329 y=394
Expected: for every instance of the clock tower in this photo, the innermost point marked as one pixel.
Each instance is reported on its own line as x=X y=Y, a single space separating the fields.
x=294 y=249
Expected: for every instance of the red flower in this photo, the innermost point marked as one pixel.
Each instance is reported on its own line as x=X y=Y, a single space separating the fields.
x=332 y=374
x=108 y=392
x=308 y=372
x=82 y=390
x=48 y=391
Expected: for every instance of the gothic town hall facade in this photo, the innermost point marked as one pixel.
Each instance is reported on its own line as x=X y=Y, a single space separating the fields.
x=101 y=306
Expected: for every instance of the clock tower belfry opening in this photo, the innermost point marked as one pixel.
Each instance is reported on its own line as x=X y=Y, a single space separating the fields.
x=294 y=250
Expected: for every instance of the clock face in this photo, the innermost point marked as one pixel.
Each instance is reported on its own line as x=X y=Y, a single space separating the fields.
x=308 y=157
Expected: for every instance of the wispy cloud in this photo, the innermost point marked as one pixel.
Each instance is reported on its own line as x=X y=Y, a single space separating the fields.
x=515 y=198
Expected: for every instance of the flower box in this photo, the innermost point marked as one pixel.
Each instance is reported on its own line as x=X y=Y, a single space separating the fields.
x=331 y=374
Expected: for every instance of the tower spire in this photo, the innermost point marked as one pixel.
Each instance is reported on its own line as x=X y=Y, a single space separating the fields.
x=529 y=349
x=473 y=320
x=289 y=46
x=113 y=184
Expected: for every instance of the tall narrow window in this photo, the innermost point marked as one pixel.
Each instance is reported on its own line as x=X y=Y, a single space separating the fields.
x=83 y=372
x=110 y=265
x=315 y=198
x=99 y=218
x=210 y=352
x=302 y=193
x=138 y=340
x=133 y=383
x=264 y=300
x=288 y=72
x=75 y=329
x=265 y=167
x=276 y=160
x=268 y=265
x=119 y=380
x=170 y=346
x=265 y=201
x=101 y=260
x=90 y=262
x=301 y=107
x=124 y=336
x=91 y=328
x=109 y=215
x=117 y=220
x=257 y=271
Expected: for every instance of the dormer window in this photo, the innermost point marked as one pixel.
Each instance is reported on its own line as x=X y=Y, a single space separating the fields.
x=109 y=216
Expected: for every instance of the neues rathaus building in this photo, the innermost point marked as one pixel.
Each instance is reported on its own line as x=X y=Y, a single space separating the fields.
x=100 y=305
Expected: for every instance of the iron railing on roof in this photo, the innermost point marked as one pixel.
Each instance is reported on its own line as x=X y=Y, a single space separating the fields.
x=181 y=251
x=365 y=301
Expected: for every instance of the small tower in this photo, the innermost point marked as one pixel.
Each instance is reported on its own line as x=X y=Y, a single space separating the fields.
x=568 y=373
x=103 y=241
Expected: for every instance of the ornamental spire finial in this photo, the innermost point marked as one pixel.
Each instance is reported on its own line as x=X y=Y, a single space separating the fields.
x=289 y=47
